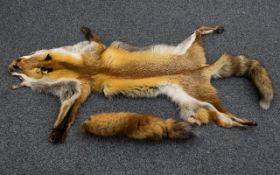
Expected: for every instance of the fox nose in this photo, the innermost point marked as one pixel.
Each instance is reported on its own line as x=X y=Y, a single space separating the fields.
x=13 y=66
x=16 y=62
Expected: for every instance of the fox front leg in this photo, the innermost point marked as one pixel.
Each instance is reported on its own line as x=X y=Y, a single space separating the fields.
x=68 y=110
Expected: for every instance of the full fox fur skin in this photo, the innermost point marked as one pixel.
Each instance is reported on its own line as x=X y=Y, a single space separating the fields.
x=179 y=72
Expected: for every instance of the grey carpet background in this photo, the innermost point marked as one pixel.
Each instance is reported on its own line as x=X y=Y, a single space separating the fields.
x=252 y=28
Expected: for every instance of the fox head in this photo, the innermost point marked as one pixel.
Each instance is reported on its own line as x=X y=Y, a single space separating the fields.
x=63 y=62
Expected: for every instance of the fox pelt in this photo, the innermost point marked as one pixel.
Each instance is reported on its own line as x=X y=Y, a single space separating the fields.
x=179 y=72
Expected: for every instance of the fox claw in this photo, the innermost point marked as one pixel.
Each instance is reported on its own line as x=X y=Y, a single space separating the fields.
x=17 y=86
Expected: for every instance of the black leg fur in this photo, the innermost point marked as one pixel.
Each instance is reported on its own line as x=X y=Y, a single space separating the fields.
x=58 y=134
x=220 y=29
x=87 y=33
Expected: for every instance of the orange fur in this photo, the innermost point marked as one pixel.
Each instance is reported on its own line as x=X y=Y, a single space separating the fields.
x=135 y=126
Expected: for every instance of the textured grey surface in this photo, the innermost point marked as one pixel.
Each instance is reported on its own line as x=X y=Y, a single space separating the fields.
x=252 y=28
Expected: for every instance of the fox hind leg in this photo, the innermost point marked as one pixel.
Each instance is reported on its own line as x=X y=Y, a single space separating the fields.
x=225 y=120
x=215 y=112
x=183 y=47
x=179 y=49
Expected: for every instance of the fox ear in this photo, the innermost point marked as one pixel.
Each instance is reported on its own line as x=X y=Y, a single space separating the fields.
x=48 y=57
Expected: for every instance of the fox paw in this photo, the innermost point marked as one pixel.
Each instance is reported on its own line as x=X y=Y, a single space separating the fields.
x=219 y=29
x=57 y=136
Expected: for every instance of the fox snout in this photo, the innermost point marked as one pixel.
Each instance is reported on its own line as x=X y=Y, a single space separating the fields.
x=14 y=65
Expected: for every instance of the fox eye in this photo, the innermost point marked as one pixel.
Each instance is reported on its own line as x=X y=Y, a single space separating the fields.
x=48 y=57
x=45 y=70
